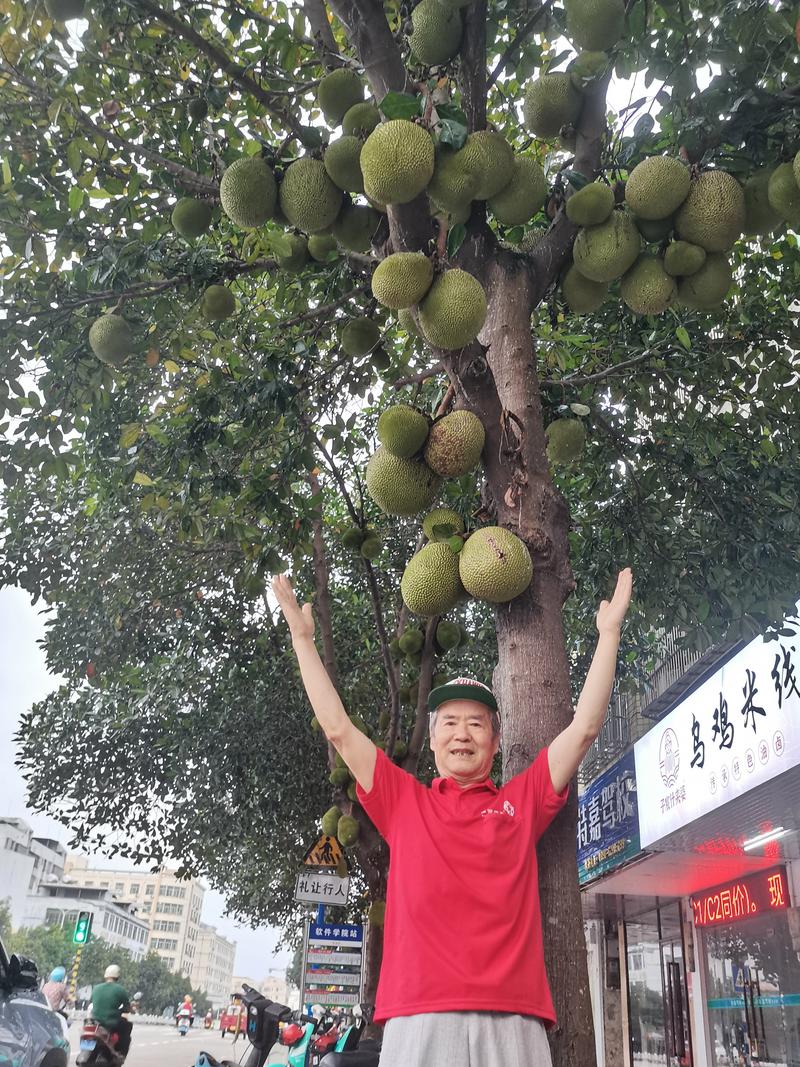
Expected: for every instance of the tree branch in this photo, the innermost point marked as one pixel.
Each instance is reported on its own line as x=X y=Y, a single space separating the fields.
x=321 y=32
x=472 y=69
x=607 y=372
x=322 y=601
x=514 y=47
x=324 y=309
x=430 y=372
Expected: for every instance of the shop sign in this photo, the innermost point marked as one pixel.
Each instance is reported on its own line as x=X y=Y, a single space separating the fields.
x=608 y=824
x=740 y=728
x=333 y=964
x=745 y=898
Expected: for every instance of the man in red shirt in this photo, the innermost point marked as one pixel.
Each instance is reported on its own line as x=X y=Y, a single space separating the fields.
x=463 y=979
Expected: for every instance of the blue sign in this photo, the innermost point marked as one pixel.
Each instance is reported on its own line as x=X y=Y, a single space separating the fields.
x=336 y=932
x=737 y=971
x=608 y=821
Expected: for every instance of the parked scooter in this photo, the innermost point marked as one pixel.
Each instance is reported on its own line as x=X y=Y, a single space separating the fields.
x=349 y=1050
x=98 y=1047
x=263 y=1024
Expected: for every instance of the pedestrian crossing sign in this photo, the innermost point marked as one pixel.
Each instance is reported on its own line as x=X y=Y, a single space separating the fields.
x=325 y=852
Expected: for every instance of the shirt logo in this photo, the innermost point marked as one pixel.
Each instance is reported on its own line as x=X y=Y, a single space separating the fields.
x=507 y=809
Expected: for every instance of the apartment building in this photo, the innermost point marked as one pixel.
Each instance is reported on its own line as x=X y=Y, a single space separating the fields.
x=26 y=861
x=57 y=904
x=214 y=963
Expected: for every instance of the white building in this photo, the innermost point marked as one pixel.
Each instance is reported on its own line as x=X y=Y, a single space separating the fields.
x=214 y=965
x=57 y=904
x=25 y=862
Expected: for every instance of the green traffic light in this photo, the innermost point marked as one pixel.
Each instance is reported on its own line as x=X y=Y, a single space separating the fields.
x=82 y=928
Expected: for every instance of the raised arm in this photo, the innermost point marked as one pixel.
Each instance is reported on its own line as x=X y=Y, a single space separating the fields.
x=355 y=748
x=568 y=749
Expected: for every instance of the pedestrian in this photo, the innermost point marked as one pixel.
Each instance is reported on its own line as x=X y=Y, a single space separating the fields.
x=475 y=995
x=55 y=989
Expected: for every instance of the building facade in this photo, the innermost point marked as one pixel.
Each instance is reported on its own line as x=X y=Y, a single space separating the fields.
x=57 y=904
x=214 y=962
x=25 y=862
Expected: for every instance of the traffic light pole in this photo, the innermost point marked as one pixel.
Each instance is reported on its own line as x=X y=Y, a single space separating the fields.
x=73 y=978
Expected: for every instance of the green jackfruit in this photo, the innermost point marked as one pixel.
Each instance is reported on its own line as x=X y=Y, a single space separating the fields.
x=436 y=36
x=308 y=198
x=595 y=24
x=591 y=205
x=430 y=584
x=359 y=336
x=454 y=444
x=372 y=546
x=713 y=214
x=449 y=522
x=491 y=158
x=339 y=777
x=647 y=289
x=551 y=102
x=342 y=164
x=708 y=287
x=402 y=279
x=110 y=339
x=360 y=120
x=64 y=10
x=448 y=635
x=586 y=71
x=197 y=108
x=760 y=217
x=405 y=319
x=355 y=227
x=657 y=187
x=796 y=167
x=453 y=312
x=582 y=295
x=297 y=257
x=218 y=303
x=191 y=218
x=377 y=913
x=682 y=259
x=603 y=253
x=402 y=430
x=380 y=359
x=384 y=719
x=655 y=230
x=400 y=747
x=413 y=659
x=784 y=194
x=400 y=486
x=248 y=192
x=321 y=247
x=495 y=565
x=347 y=831
x=439 y=679
x=411 y=640
x=397 y=161
x=353 y=538
x=337 y=93
x=455 y=182
x=565 y=441
x=523 y=196
x=330 y=821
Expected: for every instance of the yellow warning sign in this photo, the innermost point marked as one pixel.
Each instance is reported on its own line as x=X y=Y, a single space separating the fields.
x=325 y=852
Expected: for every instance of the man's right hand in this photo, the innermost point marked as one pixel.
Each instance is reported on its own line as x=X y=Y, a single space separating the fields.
x=300 y=620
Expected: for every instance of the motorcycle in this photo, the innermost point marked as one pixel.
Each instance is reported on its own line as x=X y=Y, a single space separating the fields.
x=183 y=1022
x=208 y=1022
x=98 y=1047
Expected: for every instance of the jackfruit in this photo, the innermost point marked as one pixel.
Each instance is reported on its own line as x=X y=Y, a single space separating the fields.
x=191 y=218
x=308 y=198
x=402 y=279
x=449 y=522
x=595 y=24
x=400 y=747
x=454 y=183
x=430 y=584
x=784 y=194
x=647 y=289
x=760 y=217
x=682 y=259
x=582 y=295
x=439 y=679
x=372 y=546
x=453 y=312
x=330 y=821
x=591 y=205
x=713 y=213
x=376 y=915
x=454 y=444
x=657 y=187
x=586 y=71
x=337 y=93
x=402 y=430
x=360 y=120
x=603 y=253
x=495 y=565
x=352 y=792
x=110 y=339
x=380 y=359
x=411 y=640
x=523 y=196
x=655 y=230
x=796 y=168
x=551 y=102
x=218 y=303
x=565 y=441
x=355 y=227
x=342 y=164
x=397 y=161
x=448 y=635
x=339 y=777
x=400 y=486
x=64 y=10
x=465 y=636
x=321 y=247
x=384 y=719
x=197 y=108
x=413 y=659
x=248 y=192
x=347 y=831
x=436 y=35
x=405 y=319
x=708 y=287
x=453 y=216
x=353 y=538
x=295 y=259
x=491 y=158
x=359 y=336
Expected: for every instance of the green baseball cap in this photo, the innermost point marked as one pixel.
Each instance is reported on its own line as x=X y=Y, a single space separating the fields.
x=462 y=689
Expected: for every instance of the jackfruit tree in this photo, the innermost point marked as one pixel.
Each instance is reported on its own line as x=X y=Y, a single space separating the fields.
x=453 y=309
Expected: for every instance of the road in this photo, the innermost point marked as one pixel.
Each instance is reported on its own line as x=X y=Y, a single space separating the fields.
x=162 y=1046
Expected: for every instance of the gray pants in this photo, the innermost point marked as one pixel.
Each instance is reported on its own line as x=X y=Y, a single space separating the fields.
x=465 y=1039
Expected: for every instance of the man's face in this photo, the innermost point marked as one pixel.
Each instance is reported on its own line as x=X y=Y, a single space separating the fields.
x=462 y=741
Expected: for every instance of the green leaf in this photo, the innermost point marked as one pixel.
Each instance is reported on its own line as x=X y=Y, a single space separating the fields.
x=455 y=238
x=452 y=133
x=401 y=105
x=683 y=336
x=142 y=479
x=75 y=199
x=130 y=434
x=74 y=157
x=451 y=112
x=576 y=179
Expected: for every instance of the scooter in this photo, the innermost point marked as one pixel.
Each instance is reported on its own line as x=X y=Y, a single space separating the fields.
x=98 y=1047
x=348 y=1049
x=208 y=1022
x=263 y=1025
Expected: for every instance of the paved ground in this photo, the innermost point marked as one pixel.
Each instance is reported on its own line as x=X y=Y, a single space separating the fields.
x=162 y=1046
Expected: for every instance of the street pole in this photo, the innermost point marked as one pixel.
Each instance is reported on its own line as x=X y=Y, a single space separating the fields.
x=73 y=978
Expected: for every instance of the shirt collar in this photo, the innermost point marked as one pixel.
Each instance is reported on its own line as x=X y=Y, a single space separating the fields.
x=442 y=785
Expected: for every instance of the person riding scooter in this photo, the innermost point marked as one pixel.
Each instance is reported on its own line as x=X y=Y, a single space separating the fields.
x=109 y=1001
x=208 y=1022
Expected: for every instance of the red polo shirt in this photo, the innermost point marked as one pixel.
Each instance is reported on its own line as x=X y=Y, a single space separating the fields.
x=463 y=929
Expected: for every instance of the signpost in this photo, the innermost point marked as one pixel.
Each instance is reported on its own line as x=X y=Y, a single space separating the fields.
x=80 y=937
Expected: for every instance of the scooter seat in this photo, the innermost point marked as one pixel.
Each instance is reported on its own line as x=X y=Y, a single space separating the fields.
x=358 y=1058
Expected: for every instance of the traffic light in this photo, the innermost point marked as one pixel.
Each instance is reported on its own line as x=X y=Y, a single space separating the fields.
x=83 y=927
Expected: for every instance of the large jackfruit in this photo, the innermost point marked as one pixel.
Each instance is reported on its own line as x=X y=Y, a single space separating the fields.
x=760 y=217
x=218 y=303
x=565 y=441
x=454 y=444
x=784 y=194
x=361 y=120
x=405 y=320
x=491 y=158
x=442 y=523
x=657 y=187
x=647 y=289
x=707 y=288
x=430 y=584
x=191 y=218
x=359 y=336
x=402 y=430
x=397 y=161
x=342 y=164
x=436 y=36
x=682 y=259
x=402 y=279
x=347 y=831
x=330 y=821
x=713 y=214
x=110 y=339
x=603 y=253
x=582 y=295
x=454 y=183
x=655 y=230
x=308 y=198
x=551 y=102
x=297 y=257
x=338 y=92
x=400 y=486
x=524 y=194
x=453 y=312
x=495 y=565
x=591 y=205
x=248 y=193
x=355 y=227
x=321 y=247
x=376 y=915
x=595 y=24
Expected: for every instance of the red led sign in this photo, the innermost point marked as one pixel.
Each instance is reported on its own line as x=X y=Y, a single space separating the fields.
x=744 y=899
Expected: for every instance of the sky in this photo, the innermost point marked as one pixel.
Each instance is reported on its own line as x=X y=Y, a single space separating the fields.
x=23 y=680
